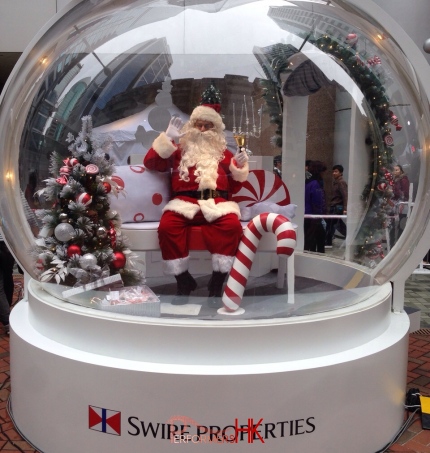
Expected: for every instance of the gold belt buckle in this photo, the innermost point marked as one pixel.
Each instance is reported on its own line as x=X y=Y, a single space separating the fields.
x=211 y=193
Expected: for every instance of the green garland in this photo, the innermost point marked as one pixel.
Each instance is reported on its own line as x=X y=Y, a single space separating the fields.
x=377 y=192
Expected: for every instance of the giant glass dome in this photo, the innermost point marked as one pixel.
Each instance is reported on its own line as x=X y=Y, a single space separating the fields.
x=300 y=80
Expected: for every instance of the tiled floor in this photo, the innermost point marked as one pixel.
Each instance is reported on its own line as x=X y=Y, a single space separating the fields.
x=413 y=440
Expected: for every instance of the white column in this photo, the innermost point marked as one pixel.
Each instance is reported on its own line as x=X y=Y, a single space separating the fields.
x=294 y=156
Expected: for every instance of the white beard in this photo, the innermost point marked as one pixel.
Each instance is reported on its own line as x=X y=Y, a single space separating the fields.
x=204 y=150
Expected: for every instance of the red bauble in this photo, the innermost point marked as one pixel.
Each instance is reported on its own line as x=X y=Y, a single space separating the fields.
x=107 y=187
x=119 y=261
x=73 y=250
x=84 y=198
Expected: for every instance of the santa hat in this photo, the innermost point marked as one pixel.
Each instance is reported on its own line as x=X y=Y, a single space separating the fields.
x=208 y=112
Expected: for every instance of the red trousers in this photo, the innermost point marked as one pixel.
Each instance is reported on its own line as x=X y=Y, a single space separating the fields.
x=222 y=236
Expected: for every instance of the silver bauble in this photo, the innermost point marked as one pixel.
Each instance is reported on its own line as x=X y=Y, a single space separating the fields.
x=101 y=232
x=426 y=45
x=64 y=232
x=87 y=260
x=63 y=217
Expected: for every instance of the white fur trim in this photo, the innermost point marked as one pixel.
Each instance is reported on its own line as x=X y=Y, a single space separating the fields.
x=176 y=267
x=239 y=174
x=163 y=146
x=208 y=114
x=222 y=263
x=185 y=208
x=212 y=211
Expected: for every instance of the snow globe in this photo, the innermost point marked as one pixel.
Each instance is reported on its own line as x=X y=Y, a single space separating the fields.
x=307 y=316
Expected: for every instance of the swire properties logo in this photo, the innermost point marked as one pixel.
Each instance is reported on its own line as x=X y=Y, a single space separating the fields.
x=182 y=429
x=104 y=420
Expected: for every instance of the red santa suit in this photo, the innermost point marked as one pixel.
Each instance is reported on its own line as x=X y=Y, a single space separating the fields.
x=217 y=215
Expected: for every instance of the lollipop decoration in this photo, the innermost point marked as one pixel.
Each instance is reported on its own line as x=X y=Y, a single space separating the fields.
x=286 y=243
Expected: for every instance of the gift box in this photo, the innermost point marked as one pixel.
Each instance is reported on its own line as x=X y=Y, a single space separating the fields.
x=134 y=300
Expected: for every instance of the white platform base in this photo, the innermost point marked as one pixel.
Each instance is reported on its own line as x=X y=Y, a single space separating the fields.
x=332 y=382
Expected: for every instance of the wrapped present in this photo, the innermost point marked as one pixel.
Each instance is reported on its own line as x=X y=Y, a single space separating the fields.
x=132 y=300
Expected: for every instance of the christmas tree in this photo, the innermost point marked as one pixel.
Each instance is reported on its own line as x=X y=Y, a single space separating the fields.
x=80 y=241
x=211 y=96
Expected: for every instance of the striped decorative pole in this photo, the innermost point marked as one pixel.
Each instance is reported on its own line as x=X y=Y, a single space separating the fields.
x=286 y=242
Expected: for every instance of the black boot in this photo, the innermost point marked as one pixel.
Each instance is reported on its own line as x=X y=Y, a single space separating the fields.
x=215 y=288
x=185 y=284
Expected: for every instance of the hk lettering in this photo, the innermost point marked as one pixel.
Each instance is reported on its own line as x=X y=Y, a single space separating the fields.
x=251 y=429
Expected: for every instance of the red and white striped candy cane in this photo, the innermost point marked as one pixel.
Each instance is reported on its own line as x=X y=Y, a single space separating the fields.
x=286 y=242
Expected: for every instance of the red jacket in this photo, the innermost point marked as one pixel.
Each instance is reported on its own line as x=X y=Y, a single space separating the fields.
x=165 y=155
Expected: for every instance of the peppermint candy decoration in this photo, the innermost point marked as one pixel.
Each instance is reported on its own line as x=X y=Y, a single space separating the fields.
x=92 y=169
x=388 y=140
x=262 y=185
x=71 y=161
x=64 y=171
x=286 y=243
x=84 y=198
x=382 y=186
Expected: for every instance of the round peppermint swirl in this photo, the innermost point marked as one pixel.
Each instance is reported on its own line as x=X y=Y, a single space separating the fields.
x=92 y=169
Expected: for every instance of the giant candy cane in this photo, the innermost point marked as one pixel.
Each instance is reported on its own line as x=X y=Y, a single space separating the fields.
x=286 y=242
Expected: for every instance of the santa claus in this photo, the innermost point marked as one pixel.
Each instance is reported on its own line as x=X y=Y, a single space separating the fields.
x=204 y=174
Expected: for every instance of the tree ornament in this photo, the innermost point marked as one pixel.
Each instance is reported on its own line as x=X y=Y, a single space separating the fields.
x=112 y=235
x=88 y=260
x=382 y=186
x=388 y=140
x=73 y=250
x=101 y=232
x=63 y=217
x=107 y=187
x=63 y=180
x=119 y=261
x=84 y=198
x=65 y=171
x=64 y=232
x=92 y=169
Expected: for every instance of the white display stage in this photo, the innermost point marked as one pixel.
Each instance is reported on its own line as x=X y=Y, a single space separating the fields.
x=90 y=381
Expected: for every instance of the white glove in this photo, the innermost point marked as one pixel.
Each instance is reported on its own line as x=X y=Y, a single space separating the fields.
x=241 y=158
x=173 y=130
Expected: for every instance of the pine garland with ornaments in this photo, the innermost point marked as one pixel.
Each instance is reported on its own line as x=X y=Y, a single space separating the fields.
x=369 y=75
x=80 y=240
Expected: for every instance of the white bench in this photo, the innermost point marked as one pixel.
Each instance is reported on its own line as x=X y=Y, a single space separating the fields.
x=143 y=187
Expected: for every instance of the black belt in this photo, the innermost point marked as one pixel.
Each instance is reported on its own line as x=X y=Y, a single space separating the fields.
x=202 y=194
